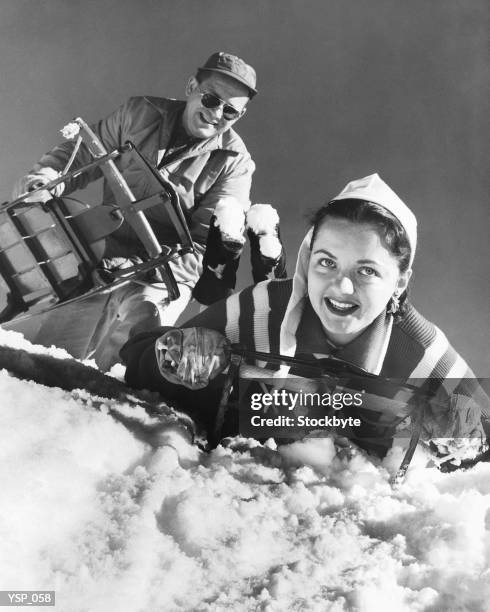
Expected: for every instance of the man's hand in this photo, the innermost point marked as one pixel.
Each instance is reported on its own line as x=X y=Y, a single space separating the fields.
x=34 y=180
x=192 y=357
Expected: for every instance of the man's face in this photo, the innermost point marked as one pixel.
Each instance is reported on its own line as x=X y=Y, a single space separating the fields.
x=202 y=122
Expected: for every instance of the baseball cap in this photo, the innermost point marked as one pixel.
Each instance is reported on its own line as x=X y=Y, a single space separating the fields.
x=234 y=67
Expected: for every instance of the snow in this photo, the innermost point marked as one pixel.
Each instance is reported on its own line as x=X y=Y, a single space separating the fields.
x=230 y=218
x=263 y=220
x=112 y=523
x=270 y=246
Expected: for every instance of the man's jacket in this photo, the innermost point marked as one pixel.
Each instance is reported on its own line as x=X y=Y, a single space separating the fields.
x=203 y=174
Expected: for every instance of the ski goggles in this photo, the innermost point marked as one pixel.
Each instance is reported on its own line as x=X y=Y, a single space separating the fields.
x=209 y=100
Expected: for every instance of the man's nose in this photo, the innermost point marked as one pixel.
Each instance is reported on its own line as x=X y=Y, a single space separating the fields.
x=346 y=286
x=217 y=111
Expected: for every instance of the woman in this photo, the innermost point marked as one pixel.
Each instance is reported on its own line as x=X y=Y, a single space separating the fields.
x=347 y=299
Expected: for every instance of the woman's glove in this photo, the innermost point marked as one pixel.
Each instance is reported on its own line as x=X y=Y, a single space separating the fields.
x=454 y=428
x=192 y=356
x=459 y=417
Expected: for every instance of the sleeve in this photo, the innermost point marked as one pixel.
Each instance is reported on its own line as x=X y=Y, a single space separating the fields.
x=138 y=354
x=110 y=131
x=235 y=181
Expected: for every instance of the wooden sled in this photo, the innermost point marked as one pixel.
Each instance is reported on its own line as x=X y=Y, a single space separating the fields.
x=49 y=251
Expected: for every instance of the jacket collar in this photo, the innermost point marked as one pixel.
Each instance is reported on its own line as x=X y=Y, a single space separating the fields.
x=367 y=351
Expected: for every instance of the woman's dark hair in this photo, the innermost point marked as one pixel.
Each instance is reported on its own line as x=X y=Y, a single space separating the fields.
x=390 y=230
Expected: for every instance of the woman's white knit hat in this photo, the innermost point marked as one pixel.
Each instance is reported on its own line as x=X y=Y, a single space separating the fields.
x=373 y=189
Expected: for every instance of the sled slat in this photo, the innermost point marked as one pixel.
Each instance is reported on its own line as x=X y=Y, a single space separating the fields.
x=21 y=272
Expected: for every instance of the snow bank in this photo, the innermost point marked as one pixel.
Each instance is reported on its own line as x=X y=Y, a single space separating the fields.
x=113 y=524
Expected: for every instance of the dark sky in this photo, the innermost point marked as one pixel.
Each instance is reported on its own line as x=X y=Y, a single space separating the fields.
x=347 y=88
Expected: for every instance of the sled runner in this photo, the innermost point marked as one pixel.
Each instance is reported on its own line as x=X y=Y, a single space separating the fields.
x=49 y=252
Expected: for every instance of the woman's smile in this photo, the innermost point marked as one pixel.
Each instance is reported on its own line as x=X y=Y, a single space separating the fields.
x=340 y=308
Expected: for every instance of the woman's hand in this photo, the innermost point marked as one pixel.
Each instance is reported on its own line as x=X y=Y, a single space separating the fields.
x=193 y=356
x=454 y=428
x=457 y=418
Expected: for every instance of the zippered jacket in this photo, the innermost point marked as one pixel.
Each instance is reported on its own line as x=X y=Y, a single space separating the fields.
x=203 y=174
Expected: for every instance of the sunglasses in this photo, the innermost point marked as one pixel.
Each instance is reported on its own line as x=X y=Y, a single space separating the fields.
x=209 y=100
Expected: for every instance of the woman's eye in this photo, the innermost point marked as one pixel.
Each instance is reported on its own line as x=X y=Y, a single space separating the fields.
x=326 y=262
x=367 y=271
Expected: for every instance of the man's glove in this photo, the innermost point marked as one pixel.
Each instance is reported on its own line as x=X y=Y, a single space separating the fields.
x=35 y=179
x=266 y=249
x=224 y=246
x=192 y=357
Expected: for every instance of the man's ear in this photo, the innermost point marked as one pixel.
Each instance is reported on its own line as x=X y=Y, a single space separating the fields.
x=191 y=86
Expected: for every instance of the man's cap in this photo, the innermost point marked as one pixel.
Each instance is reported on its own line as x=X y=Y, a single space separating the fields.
x=234 y=67
x=373 y=189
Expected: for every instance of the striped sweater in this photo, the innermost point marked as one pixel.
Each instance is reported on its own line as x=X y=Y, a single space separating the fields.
x=417 y=349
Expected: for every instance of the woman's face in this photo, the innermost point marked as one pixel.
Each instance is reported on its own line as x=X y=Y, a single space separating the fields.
x=351 y=277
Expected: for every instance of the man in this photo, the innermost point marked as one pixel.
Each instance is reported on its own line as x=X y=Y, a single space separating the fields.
x=193 y=145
